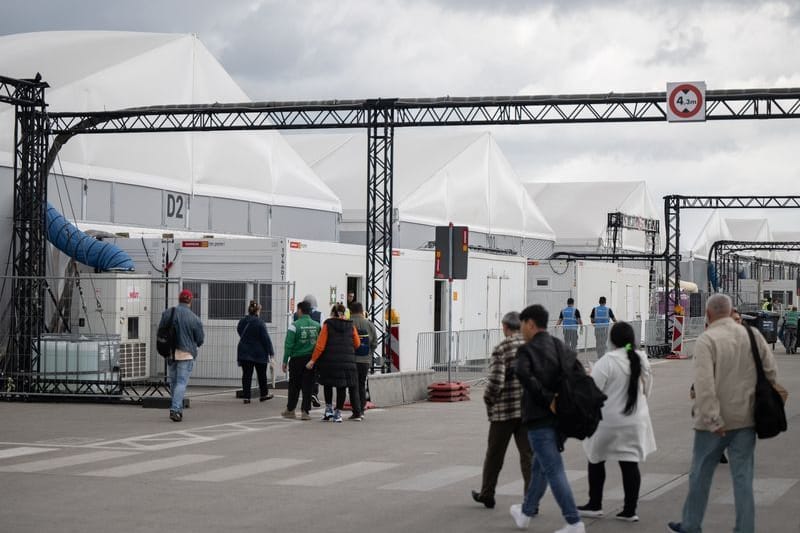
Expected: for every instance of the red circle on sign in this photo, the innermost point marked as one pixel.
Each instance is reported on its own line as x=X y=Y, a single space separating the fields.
x=682 y=89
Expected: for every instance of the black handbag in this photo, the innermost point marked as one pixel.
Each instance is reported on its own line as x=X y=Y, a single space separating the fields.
x=769 y=413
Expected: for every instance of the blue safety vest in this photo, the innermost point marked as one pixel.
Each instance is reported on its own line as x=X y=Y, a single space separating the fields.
x=601 y=315
x=568 y=318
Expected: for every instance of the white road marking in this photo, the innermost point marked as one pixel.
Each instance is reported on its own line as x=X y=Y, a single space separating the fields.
x=766 y=491
x=336 y=475
x=515 y=487
x=23 y=450
x=61 y=462
x=436 y=479
x=151 y=466
x=244 y=470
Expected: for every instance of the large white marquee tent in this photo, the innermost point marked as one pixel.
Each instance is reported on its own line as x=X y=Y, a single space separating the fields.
x=233 y=182
x=439 y=178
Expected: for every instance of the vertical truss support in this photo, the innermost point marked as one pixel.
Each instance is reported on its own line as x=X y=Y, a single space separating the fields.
x=672 y=283
x=380 y=159
x=28 y=241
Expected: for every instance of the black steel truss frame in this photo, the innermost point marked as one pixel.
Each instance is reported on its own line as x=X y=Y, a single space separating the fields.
x=379 y=117
x=725 y=257
x=672 y=212
x=28 y=240
x=617 y=221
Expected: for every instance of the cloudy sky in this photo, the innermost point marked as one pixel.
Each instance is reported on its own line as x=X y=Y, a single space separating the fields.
x=417 y=48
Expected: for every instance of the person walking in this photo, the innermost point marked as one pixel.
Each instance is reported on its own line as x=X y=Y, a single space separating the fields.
x=189 y=336
x=369 y=341
x=625 y=433
x=316 y=316
x=538 y=369
x=601 y=317
x=503 y=399
x=724 y=383
x=301 y=338
x=254 y=352
x=570 y=318
x=790 y=319
x=335 y=351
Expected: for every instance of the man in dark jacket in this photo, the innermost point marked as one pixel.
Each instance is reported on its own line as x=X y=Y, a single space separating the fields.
x=369 y=341
x=539 y=371
x=189 y=336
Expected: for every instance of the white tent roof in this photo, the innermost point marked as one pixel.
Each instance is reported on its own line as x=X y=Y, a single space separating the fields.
x=578 y=211
x=462 y=178
x=787 y=236
x=718 y=228
x=113 y=70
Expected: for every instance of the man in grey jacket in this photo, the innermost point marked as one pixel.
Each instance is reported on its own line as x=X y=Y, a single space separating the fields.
x=188 y=337
x=724 y=384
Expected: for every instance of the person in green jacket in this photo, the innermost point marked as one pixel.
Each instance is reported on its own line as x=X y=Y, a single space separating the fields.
x=790 y=330
x=301 y=338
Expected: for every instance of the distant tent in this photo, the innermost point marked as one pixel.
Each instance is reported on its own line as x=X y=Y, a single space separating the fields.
x=462 y=178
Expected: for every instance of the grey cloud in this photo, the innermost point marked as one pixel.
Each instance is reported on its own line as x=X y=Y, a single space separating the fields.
x=682 y=47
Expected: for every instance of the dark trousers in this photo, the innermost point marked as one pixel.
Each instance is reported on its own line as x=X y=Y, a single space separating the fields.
x=499 y=436
x=363 y=370
x=631 y=481
x=301 y=379
x=341 y=392
x=247 y=378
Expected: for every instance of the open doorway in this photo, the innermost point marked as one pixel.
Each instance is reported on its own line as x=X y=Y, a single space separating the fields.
x=355 y=289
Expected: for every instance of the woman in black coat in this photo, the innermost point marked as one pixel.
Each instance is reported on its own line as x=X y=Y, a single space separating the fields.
x=254 y=351
x=335 y=358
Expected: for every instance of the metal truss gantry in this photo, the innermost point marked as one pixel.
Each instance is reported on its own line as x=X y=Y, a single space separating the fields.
x=672 y=216
x=28 y=244
x=379 y=117
x=726 y=257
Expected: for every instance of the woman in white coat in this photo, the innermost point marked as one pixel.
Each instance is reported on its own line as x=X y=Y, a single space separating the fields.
x=625 y=433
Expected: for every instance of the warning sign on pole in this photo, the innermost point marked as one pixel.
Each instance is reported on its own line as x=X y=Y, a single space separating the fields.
x=686 y=101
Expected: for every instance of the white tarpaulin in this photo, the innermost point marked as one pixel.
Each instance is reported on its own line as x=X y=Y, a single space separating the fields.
x=462 y=178
x=718 y=228
x=578 y=211
x=89 y=71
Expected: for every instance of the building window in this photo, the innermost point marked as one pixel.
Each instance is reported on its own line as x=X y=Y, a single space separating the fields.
x=263 y=294
x=227 y=301
x=542 y=282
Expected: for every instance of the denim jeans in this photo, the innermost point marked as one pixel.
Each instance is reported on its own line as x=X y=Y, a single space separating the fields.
x=548 y=469
x=178 y=373
x=600 y=339
x=708 y=448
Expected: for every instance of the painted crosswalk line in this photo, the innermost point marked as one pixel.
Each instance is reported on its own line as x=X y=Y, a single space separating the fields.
x=436 y=479
x=8 y=453
x=62 y=462
x=766 y=491
x=336 y=475
x=515 y=487
x=151 y=466
x=244 y=470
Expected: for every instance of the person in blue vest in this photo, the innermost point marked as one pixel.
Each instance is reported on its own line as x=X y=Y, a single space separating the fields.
x=601 y=317
x=570 y=318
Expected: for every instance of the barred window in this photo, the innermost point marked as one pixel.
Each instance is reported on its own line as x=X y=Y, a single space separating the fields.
x=263 y=295
x=227 y=301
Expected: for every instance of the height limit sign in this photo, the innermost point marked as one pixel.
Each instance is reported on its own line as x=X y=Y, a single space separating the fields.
x=686 y=101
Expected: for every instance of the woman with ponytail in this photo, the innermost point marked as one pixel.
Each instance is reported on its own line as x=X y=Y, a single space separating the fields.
x=625 y=433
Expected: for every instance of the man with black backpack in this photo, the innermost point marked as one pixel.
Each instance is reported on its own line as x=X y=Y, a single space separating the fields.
x=539 y=369
x=369 y=341
x=188 y=336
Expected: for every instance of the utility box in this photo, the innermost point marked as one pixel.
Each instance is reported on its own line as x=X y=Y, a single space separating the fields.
x=120 y=304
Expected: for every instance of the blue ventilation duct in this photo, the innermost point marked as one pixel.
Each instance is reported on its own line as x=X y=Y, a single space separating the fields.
x=712 y=276
x=84 y=248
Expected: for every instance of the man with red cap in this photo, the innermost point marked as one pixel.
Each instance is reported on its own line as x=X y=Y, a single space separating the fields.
x=188 y=337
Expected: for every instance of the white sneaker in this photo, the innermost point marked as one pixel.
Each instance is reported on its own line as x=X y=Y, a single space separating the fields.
x=520 y=519
x=577 y=527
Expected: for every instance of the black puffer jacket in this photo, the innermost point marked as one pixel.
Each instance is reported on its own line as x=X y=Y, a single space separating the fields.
x=337 y=364
x=539 y=371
